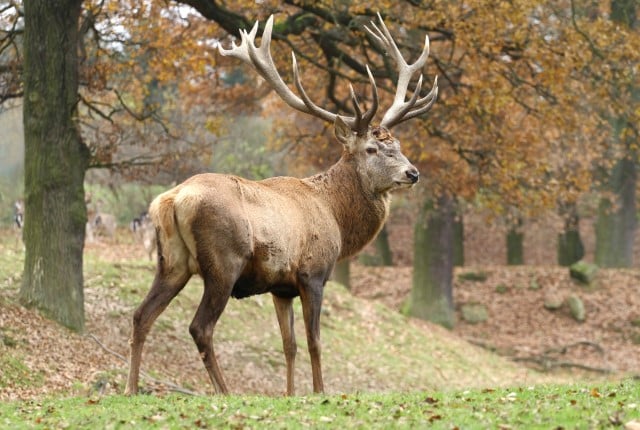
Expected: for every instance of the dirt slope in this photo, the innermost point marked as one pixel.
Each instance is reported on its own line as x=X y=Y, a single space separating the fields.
x=366 y=345
x=519 y=326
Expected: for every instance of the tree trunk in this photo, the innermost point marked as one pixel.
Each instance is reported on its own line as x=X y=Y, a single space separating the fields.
x=616 y=223
x=342 y=273
x=570 y=247
x=624 y=12
x=515 y=245
x=431 y=295
x=55 y=163
x=384 y=249
x=458 y=241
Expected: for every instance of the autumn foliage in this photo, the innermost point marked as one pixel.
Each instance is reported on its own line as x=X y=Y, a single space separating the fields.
x=528 y=89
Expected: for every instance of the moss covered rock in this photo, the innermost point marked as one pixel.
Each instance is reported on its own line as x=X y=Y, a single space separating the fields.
x=474 y=313
x=576 y=306
x=583 y=272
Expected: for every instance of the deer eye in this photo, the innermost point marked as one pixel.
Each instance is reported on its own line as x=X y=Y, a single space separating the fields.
x=372 y=150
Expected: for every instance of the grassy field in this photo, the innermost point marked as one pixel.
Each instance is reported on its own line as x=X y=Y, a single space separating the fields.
x=581 y=406
x=382 y=370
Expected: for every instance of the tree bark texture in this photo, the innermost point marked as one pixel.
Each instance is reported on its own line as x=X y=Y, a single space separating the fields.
x=384 y=248
x=458 y=241
x=570 y=248
x=616 y=223
x=515 y=245
x=55 y=163
x=624 y=12
x=342 y=273
x=431 y=295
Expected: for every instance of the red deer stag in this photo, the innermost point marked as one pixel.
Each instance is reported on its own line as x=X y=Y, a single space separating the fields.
x=280 y=235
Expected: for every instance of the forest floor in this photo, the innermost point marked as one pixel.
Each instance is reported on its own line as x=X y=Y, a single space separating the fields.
x=520 y=334
x=518 y=325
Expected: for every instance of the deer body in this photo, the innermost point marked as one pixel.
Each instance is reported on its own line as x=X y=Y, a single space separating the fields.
x=104 y=225
x=279 y=229
x=281 y=235
x=99 y=224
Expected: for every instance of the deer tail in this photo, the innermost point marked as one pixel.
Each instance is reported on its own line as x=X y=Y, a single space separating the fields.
x=162 y=214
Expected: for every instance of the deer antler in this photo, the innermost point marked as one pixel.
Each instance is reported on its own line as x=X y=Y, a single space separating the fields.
x=400 y=110
x=260 y=59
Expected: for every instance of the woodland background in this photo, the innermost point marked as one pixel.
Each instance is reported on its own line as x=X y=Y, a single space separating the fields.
x=536 y=122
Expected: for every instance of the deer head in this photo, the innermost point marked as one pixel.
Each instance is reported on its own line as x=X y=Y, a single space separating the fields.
x=375 y=148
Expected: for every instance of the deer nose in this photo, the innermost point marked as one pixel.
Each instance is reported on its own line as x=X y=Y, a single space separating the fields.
x=413 y=175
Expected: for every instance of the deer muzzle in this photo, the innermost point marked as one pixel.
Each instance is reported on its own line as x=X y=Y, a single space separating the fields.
x=413 y=175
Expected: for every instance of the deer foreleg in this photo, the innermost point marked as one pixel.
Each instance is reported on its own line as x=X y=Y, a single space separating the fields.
x=311 y=298
x=284 y=311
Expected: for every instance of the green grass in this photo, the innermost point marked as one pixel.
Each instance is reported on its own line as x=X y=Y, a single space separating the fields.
x=16 y=373
x=545 y=407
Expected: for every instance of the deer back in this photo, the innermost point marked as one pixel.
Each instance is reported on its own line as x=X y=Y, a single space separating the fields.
x=272 y=225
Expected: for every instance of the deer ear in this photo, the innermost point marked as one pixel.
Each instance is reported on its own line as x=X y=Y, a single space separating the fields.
x=343 y=132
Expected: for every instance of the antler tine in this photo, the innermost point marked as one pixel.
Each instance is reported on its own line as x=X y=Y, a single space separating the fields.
x=311 y=107
x=362 y=121
x=358 y=126
x=369 y=114
x=241 y=51
x=400 y=110
x=421 y=106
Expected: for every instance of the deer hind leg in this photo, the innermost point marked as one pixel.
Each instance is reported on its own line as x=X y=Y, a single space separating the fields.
x=163 y=290
x=217 y=290
x=311 y=298
x=284 y=311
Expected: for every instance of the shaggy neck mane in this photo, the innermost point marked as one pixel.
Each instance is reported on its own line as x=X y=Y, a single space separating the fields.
x=359 y=211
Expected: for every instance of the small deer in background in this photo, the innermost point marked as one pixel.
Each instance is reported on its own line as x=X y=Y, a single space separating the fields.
x=99 y=224
x=145 y=232
x=280 y=235
x=104 y=225
x=18 y=218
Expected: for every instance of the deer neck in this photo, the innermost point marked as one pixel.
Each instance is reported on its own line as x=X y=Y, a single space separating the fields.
x=359 y=211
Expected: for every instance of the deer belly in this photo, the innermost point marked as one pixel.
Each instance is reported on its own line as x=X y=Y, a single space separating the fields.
x=266 y=272
x=247 y=286
x=250 y=284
